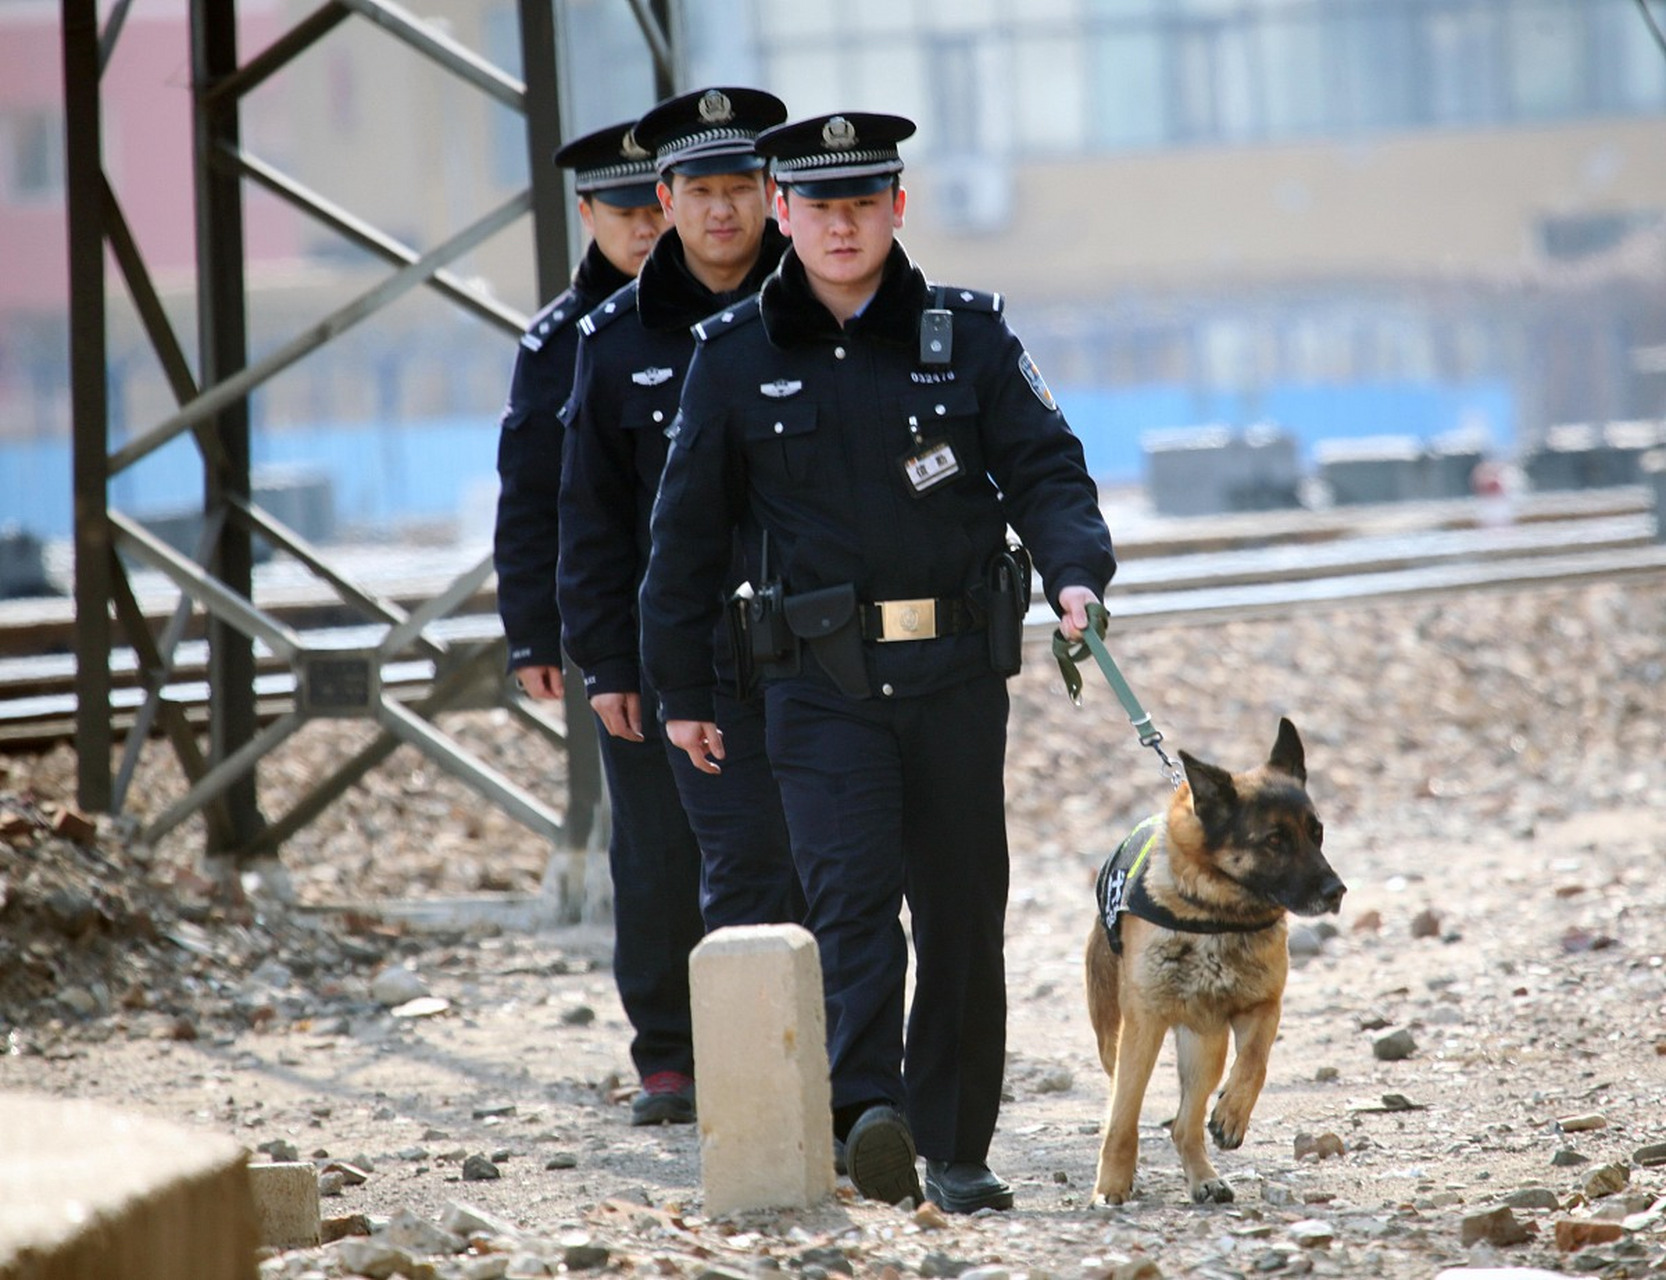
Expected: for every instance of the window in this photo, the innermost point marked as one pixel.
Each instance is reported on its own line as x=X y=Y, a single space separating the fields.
x=31 y=156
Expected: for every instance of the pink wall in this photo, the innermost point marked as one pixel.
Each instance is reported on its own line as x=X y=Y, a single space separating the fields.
x=147 y=149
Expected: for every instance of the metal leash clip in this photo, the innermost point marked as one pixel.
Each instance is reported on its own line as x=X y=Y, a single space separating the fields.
x=1093 y=641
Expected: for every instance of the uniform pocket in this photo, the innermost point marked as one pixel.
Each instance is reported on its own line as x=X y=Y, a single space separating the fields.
x=781 y=442
x=946 y=411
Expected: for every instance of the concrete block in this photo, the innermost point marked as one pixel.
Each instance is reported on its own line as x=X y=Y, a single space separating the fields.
x=88 y=1190
x=286 y=1203
x=1368 y=469
x=1652 y=466
x=1194 y=471
x=760 y=1069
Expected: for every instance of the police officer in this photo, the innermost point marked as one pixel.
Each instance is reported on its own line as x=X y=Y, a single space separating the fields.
x=620 y=209
x=736 y=867
x=883 y=432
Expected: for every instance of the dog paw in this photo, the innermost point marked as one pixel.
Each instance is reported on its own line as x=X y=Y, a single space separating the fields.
x=1228 y=1136
x=1111 y=1195
x=1212 y=1191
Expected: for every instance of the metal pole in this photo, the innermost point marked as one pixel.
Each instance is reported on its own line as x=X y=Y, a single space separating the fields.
x=540 y=69
x=84 y=180
x=223 y=344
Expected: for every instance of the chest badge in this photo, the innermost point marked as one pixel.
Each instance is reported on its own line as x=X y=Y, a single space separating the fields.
x=781 y=388
x=651 y=377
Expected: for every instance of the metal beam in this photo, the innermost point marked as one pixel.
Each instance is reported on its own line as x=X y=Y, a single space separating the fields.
x=89 y=397
x=454 y=57
x=377 y=242
x=280 y=53
x=235 y=388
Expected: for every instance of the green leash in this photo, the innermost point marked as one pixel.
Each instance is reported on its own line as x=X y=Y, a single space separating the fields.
x=1093 y=641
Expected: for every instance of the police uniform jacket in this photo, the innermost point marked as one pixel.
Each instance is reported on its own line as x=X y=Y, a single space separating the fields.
x=524 y=544
x=807 y=425
x=633 y=356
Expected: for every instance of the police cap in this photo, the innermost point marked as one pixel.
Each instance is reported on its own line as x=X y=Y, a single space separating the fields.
x=709 y=130
x=853 y=153
x=609 y=166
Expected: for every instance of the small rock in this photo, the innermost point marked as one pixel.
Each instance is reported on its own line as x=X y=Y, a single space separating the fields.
x=281 y=1151
x=374 y=1258
x=1326 y=1075
x=584 y=1257
x=832 y=1258
x=421 y=1007
x=1582 y=1124
x=562 y=1160
x=477 y=1168
x=1055 y=1080
x=1312 y=1233
x=416 y=1235
x=1304 y=942
x=72 y=912
x=352 y=1224
x=1395 y=1046
x=1533 y=1198
x=331 y=1183
x=1368 y=922
x=494 y=1109
x=466 y=1220
x=1276 y=1193
x=1494 y=1226
x=1426 y=923
x=991 y=1272
x=580 y=1015
x=353 y=1173
x=72 y=824
x=928 y=1217
x=395 y=985
x=1650 y=1157
x=1576 y=1233
x=1607 y=1180
x=1567 y=1158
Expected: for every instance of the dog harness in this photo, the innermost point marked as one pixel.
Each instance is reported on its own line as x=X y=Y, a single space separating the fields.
x=1121 y=888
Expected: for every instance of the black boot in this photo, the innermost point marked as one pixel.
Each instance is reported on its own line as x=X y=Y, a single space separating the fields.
x=965 y=1186
x=879 y=1152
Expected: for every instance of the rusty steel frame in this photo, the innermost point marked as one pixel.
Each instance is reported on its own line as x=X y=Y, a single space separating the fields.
x=213 y=408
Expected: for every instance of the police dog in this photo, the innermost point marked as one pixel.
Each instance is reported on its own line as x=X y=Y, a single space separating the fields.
x=1191 y=935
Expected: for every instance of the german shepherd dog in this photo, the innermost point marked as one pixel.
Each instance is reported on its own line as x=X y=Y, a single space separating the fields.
x=1192 y=936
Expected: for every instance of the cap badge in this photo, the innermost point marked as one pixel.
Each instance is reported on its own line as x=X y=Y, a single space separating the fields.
x=838 y=134
x=631 y=149
x=715 y=107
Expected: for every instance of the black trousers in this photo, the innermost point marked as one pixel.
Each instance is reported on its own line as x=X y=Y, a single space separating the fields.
x=893 y=801
x=655 y=861
x=748 y=875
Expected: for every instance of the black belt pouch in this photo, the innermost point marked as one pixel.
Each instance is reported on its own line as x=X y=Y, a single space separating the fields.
x=1009 y=600
x=828 y=622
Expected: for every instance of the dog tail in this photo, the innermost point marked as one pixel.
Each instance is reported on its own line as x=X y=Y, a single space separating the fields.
x=1104 y=981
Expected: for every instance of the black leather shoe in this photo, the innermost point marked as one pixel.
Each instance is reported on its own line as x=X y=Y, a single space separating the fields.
x=879 y=1152
x=964 y=1186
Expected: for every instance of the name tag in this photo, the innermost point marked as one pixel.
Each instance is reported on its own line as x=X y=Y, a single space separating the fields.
x=930 y=465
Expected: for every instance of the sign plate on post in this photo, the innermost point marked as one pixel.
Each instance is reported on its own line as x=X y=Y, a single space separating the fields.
x=343 y=683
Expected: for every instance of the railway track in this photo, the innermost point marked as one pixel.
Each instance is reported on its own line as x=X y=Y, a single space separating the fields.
x=1172 y=572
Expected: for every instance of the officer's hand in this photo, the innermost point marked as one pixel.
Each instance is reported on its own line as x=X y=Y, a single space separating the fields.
x=1074 y=602
x=620 y=714
x=542 y=683
x=702 y=739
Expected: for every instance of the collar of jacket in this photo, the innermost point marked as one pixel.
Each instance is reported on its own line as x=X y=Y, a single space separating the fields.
x=596 y=276
x=792 y=314
x=669 y=297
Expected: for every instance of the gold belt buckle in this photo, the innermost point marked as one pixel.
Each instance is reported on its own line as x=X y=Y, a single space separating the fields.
x=908 y=619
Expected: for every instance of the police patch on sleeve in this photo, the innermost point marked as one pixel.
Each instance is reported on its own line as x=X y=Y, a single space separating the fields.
x=1038 y=384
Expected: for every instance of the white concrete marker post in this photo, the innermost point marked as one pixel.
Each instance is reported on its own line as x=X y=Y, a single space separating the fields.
x=760 y=1069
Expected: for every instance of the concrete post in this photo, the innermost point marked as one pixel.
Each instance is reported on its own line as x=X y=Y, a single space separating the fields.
x=760 y=1069
x=87 y=1190
x=286 y=1203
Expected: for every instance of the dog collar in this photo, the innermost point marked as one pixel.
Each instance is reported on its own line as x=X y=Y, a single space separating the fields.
x=1121 y=888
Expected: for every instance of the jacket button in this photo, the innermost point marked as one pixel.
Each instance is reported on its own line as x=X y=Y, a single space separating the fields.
x=838 y=353
x=779 y=428
x=886 y=690
x=659 y=415
x=941 y=410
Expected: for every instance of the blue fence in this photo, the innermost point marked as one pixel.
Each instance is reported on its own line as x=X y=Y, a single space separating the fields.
x=383 y=476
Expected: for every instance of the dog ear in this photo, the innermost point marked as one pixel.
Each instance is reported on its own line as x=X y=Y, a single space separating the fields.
x=1288 y=756
x=1213 y=794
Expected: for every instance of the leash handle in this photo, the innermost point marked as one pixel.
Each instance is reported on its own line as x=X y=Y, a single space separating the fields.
x=1093 y=642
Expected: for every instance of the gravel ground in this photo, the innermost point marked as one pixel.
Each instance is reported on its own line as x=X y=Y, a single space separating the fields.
x=1490 y=772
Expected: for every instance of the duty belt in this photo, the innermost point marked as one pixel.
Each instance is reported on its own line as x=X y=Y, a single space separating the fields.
x=926 y=618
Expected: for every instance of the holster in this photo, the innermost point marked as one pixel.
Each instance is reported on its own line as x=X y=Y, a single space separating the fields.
x=1008 y=579
x=827 y=621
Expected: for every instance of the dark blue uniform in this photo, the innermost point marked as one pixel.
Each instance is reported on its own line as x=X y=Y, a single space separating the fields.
x=818 y=434
x=632 y=359
x=525 y=543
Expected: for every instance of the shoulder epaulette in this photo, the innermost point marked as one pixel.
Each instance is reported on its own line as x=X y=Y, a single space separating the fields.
x=562 y=311
x=727 y=320
x=620 y=304
x=968 y=299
